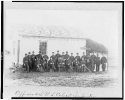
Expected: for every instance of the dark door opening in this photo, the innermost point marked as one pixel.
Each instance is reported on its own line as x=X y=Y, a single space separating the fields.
x=43 y=47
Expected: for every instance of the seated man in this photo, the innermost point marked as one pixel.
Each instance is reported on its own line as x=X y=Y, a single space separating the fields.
x=51 y=64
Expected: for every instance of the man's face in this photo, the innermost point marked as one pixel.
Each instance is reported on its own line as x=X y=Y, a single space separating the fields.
x=71 y=54
x=63 y=53
x=57 y=52
x=52 y=53
x=77 y=54
x=66 y=52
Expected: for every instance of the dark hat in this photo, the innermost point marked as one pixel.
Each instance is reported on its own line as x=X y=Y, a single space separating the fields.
x=66 y=51
x=71 y=53
x=58 y=51
x=29 y=53
x=33 y=52
x=52 y=52
x=25 y=54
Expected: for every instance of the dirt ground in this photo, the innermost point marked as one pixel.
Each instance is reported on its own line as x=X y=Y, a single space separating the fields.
x=63 y=79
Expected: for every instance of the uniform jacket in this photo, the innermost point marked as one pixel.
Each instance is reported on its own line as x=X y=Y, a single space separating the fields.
x=103 y=60
x=78 y=58
x=66 y=56
x=72 y=58
x=53 y=57
x=98 y=61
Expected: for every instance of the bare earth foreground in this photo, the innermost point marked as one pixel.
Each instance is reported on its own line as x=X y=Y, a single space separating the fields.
x=63 y=79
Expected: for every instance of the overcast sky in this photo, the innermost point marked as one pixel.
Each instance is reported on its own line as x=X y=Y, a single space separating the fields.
x=101 y=26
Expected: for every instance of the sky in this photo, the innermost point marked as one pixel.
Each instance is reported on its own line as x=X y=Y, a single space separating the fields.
x=101 y=26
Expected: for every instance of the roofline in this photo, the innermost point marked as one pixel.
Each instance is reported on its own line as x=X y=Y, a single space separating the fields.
x=52 y=37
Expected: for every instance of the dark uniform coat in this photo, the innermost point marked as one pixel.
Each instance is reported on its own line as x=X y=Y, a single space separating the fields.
x=78 y=58
x=72 y=58
x=53 y=57
x=66 y=56
x=83 y=57
x=103 y=62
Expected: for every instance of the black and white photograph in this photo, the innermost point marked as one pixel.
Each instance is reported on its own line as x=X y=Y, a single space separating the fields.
x=62 y=49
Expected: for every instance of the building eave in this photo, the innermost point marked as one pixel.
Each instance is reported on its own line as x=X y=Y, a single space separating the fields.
x=53 y=37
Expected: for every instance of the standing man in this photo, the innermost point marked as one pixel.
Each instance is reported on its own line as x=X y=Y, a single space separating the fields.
x=33 y=61
x=103 y=62
x=53 y=56
x=77 y=57
x=98 y=61
x=72 y=58
x=45 y=57
x=88 y=61
x=57 y=56
x=83 y=56
x=66 y=56
x=25 y=62
x=30 y=61
x=93 y=58
x=63 y=56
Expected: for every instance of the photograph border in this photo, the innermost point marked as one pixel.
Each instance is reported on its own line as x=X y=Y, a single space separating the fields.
x=2 y=52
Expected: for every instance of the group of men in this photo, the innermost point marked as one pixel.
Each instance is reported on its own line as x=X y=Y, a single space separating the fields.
x=31 y=61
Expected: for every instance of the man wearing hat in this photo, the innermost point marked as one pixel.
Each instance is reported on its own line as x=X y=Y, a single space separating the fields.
x=77 y=57
x=103 y=62
x=72 y=58
x=53 y=56
x=83 y=56
x=25 y=62
x=63 y=56
x=56 y=61
x=93 y=58
x=66 y=56
x=33 y=61
x=30 y=61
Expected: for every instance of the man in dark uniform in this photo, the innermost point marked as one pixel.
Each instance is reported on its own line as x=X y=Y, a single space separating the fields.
x=33 y=61
x=88 y=61
x=53 y=56
x=66 y=56
x=39 y=58
x=72 y=58
x=83 y=56
x=93 y=58
x=51 y=64
x=103 y=62
x=25 y=62
x=45 y=57
x=63 y=56
x=56 y=60
x=77 y=57
x=98 y=61
x=30 y=61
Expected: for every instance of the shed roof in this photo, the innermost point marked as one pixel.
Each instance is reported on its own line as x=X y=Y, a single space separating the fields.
x=51 y=31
